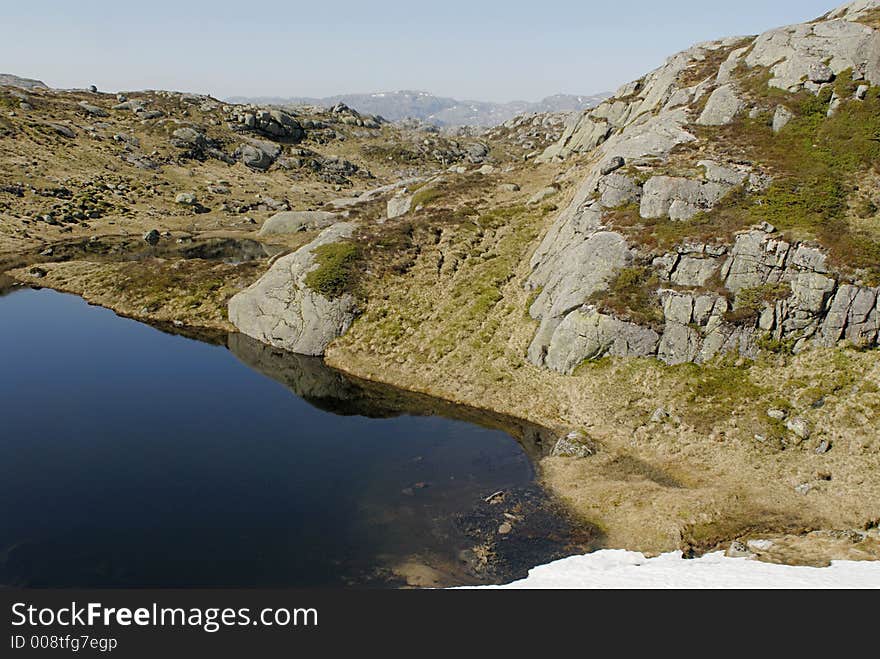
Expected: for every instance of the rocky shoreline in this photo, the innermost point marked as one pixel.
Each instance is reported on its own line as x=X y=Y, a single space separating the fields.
x=808 y=542
x=682 y=283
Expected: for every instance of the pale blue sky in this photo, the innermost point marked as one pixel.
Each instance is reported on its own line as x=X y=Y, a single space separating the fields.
x=491 y=50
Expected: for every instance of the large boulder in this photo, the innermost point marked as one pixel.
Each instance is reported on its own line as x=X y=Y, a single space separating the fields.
x=189 y=138
x=723 y=106
x=679 y=198
x=569 y=267
x=274 y=123
x=580 y=268
x=696 y=331
x=617 y=190
x=587 y=334
x=282 y=311
x=258 y=154
x=289 y=222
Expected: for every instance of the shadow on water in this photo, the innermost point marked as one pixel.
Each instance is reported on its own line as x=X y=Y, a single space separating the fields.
x=339 y=393
x=171 y=463
x=543 y=531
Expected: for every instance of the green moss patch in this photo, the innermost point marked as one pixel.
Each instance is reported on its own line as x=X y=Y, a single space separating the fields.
x=751 y=301
x=632 y=296
x=337 y=268
x=814 y=162
x=425 y=196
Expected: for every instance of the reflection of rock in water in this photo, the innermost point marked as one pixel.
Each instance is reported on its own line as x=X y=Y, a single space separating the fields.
x=228 y=249
x=331 y=390
x=307 y=377
x=118 y=248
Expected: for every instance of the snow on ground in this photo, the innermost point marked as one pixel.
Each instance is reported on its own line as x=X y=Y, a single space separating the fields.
x=618 y=568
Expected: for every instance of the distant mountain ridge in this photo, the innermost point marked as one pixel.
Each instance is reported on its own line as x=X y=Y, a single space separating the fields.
x=438 y=110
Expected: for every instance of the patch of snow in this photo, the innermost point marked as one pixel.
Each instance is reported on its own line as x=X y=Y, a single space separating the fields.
x=618 y=568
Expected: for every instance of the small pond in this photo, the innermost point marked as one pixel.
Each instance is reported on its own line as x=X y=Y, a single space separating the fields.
x=134 y=457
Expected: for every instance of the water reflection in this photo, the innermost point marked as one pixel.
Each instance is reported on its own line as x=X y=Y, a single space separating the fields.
x=132 y=248
x=330 y=390
x=131 y=457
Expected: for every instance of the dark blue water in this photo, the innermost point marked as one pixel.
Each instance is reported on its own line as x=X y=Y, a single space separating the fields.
x=132 y=457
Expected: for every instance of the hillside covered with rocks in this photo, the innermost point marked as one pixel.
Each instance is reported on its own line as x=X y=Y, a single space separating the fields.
x=682 y=282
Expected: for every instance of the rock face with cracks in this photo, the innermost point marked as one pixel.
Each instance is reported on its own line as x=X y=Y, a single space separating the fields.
x=766 y=288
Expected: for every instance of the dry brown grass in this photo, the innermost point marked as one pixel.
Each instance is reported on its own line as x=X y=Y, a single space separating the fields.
x=699 y=478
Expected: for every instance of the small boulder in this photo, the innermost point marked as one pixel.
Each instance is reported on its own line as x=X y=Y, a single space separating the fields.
x=93 y=110
x=186 y=199
x=721 y=109
x=803 y=488
x=509 y=187
x=738 y=549
x=659 y=416
x=834 y=105
x=187 y=137
x=399 y=205
x=799 y=427
x=575 y=444
x=259 y=155
x=611 y=165
x=476 y=152
x=781 y=118
x=820 y=73
x=61 y=129
x=543 y=194
x=132 y=105
x=151 y=237
x=760 y=545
